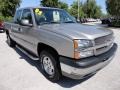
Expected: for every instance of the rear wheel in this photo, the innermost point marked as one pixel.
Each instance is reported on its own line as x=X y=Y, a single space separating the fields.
x=10 y=42
x=50 y=66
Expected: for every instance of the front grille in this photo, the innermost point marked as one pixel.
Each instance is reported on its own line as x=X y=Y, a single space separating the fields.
x=103 y=44
x=103 y=49
x=103 y=40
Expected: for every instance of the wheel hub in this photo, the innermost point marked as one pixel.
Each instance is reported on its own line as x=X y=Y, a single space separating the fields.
x=48 y=65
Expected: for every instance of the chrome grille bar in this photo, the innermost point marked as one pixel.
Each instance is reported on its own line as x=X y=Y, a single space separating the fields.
x=103 y=44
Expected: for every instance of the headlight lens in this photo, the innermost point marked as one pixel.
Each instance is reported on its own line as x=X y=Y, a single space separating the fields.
x=80 y=47
x=83 y=44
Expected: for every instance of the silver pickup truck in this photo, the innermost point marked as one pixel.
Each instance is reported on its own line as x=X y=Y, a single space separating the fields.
x=62 y=46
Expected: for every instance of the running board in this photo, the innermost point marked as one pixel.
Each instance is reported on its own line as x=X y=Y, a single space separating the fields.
x=28 y=54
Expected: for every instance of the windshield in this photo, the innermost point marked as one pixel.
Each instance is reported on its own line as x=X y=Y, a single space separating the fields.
x=48 y=16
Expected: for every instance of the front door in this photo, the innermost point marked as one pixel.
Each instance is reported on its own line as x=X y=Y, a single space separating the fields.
x=26 y=32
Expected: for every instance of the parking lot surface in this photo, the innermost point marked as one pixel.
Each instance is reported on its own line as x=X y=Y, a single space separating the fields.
x=18 y=72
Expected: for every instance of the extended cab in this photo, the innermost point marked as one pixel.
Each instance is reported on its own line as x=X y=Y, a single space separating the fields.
x=62 y=46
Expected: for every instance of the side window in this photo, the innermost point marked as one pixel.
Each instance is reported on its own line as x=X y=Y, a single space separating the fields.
x=27 y=15
x=17 y=16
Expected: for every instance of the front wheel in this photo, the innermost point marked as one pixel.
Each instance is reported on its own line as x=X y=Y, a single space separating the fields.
x=50 y=67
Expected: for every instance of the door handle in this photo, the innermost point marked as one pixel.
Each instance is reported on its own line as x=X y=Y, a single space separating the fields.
x=19 y=29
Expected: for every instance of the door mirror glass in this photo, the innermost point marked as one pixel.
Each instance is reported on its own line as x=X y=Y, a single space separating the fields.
x=25 y=22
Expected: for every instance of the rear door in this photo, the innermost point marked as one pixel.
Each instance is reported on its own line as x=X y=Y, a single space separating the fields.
x=15 y=28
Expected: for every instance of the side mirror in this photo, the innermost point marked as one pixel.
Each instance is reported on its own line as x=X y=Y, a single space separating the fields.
x=25 y=22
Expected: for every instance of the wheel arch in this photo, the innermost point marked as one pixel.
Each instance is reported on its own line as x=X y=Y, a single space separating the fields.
x=42 y=46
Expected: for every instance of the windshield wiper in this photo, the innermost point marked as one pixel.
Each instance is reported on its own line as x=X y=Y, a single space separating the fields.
x=55 y=22
x=42 y=23
x=69 y=22
x=51 y=22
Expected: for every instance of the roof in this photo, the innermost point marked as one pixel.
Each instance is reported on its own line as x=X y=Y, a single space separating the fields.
x=38 y=7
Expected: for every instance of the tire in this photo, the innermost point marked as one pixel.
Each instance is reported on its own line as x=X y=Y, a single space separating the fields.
x=10 y=42
x=49 y=65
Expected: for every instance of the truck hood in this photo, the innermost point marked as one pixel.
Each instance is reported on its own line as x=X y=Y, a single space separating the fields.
x=76 y=31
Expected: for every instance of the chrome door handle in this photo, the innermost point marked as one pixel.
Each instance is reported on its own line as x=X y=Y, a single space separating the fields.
x=19 y=29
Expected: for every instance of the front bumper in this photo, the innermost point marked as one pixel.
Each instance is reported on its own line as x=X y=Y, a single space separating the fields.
x=78 y=69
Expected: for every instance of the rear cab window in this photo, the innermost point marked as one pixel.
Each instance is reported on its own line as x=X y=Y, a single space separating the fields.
x=17 y=16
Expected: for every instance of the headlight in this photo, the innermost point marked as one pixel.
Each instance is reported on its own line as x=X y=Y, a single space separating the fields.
x=80 y=47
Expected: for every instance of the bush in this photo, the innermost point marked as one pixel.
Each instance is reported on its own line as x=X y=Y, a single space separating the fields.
x=8 y=19
x=2 y=18
x=115 y=23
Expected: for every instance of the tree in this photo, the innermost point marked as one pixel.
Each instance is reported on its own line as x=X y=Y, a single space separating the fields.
x=49 y=3
x=113 y=7
x=54 y=3
x=8 y=7
x=74 y=10
x=63 y=5
x=98 y=13
x=91 y=9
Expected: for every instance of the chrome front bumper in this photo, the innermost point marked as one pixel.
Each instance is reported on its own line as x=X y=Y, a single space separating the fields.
x=84 y=67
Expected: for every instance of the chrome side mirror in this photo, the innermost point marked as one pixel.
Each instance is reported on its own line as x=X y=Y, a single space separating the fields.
x=25 y=22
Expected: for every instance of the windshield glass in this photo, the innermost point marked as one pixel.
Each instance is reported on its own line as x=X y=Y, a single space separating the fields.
x=48 y=16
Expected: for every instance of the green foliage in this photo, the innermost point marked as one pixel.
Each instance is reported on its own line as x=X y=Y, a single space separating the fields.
x=54 y=3
x=49 y=3
x=91 y=9
x=74 y=10
x=98 y=12
x=113 y=7
x=105 y=15
x=8 y=7
x=88 y=9
x=8 y=18
x=2 y=18
x=63 y=5
x=115 y=23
